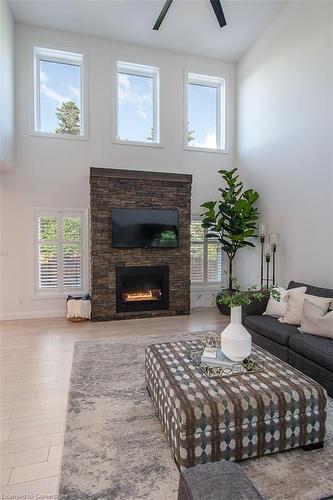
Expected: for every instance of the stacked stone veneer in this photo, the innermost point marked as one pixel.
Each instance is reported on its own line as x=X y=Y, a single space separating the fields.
x=113 y=188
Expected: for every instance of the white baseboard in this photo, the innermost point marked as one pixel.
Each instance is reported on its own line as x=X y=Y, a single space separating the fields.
x=32 y=315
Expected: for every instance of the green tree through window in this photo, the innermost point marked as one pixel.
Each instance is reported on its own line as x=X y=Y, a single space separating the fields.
x=68 y=115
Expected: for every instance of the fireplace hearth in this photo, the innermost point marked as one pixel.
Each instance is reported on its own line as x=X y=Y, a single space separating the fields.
x=144 y=288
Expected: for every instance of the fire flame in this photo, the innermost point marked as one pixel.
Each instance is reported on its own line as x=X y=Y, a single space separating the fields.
x=144 y=295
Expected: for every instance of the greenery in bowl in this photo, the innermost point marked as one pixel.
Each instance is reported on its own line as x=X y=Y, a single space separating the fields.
x=243 y=296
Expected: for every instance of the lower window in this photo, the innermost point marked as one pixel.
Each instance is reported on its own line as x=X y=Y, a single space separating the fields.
x=60 y=252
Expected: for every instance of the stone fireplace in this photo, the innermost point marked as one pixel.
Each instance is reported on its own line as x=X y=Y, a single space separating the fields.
x=138 y=282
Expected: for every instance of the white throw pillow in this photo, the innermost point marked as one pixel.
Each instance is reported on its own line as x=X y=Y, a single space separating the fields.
x=278 y=308
x=295 y=304
x=316 y=320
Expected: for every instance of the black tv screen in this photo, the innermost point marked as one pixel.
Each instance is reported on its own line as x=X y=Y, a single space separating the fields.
x=144 y=228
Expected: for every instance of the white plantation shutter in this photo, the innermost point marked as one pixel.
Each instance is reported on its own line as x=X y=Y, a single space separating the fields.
x=197 y=252
x=60 y=252
x=48 y=252
x=71 y=251
x=48 y=266
x=72 y=264
x=197 y=263
x=206 y=256
x=214 y=264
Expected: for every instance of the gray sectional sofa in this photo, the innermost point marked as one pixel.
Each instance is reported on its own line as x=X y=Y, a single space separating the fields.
x=310 y=354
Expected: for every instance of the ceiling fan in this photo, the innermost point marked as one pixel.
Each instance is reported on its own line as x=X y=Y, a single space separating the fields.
x=216 y=4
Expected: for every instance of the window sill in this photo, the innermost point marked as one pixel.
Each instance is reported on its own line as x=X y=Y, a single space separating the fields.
x=137 y=143
x=200 y=287
x=206 y=150
x=59 y=136
x=52 y=296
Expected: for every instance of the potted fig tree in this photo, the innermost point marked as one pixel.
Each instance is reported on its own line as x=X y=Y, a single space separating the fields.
x=233 y=221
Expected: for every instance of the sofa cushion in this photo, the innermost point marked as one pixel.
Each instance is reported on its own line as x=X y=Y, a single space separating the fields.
x=271 y=328
x=312 y=290
x=294 y=312
x=316 y=320
x=317 y=349
x=277 y=308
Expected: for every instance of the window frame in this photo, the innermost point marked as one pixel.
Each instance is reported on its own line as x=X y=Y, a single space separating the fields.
x=136 y=68
x=55 y=53
x=205 y=284
x=220 y=83
x=59 y=213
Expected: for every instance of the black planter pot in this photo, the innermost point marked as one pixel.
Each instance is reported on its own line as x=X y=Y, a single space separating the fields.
x=222 y=307
x=256 y=306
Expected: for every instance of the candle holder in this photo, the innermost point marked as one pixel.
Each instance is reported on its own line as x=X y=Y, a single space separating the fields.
x=273 y=260
x=267 y=254
x=268 y=260
x=263 y=231
x=274 y=239
x=262 y=241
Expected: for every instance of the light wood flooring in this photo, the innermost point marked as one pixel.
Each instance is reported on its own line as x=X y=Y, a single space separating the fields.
x=36 y=360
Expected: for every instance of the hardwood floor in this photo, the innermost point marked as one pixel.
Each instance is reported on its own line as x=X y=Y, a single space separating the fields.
x=36 y=360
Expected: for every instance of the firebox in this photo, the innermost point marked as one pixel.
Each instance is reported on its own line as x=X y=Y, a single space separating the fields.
x=144 y=288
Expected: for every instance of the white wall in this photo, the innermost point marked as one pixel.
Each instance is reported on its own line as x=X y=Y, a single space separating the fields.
x=53 y=172
x=6 y=88
x=285 y=137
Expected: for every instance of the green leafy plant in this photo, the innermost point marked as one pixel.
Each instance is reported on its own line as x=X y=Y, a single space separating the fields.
x=232 y=219
x=243 y=296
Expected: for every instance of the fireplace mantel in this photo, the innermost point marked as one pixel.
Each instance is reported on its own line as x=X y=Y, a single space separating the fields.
x=120 y=188
x=117 y=173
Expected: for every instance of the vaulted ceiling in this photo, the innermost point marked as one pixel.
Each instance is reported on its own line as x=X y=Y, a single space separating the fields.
x=190 y=25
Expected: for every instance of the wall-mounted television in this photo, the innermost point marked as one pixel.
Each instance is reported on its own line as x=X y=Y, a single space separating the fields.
x=144 y=228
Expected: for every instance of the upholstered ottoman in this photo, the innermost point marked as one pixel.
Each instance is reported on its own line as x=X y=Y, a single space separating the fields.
x=233 y=418
x=216 y=481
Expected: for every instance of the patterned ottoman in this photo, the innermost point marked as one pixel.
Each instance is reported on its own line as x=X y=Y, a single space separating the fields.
x=248 y=415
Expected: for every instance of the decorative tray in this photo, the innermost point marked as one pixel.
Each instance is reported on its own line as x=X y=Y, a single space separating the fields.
x=252 y=364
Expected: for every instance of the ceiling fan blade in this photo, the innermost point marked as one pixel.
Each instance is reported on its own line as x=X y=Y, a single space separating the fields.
x=216 y=4
x=162 y=15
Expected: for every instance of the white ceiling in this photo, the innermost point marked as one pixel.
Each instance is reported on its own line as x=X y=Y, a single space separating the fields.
x=189 y=26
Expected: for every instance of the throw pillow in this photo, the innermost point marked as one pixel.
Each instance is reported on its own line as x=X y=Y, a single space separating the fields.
x=316 y=320
x=295 y=304
x=278 y=308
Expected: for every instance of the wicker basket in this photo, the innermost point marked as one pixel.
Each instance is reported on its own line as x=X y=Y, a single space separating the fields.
x=78 y=309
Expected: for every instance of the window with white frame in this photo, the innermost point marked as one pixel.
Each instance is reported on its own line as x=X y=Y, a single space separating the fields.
x=60 y=252
x=58 y=92
x=206 y=256
x=205 y=120
x=137 y=103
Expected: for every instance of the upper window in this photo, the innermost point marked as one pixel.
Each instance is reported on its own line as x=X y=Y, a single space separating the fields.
x=205 y=126
x=60 y=252
x=58 y=92
x=206 y=256
x=137 y=103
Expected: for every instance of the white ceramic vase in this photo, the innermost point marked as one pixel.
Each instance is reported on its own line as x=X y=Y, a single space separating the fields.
x=235 y=339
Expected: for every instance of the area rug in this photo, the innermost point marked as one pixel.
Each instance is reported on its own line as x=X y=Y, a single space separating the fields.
x=115 y=448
